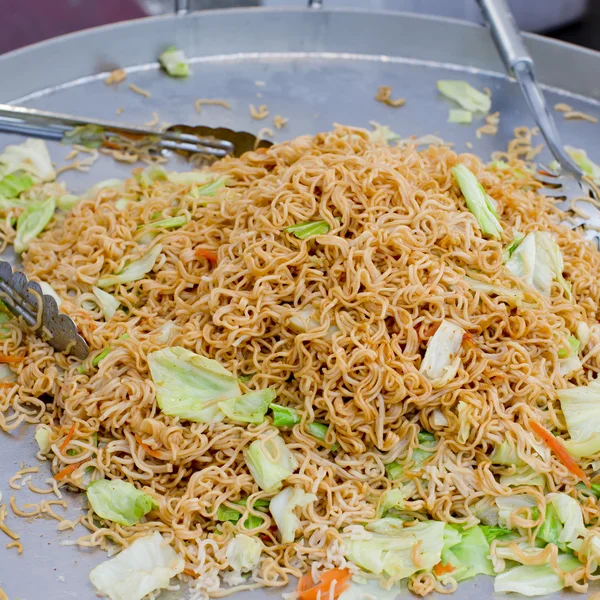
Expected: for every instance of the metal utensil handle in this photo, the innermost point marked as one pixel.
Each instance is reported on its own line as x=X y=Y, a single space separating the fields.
x=505 y=33
x=517 y=60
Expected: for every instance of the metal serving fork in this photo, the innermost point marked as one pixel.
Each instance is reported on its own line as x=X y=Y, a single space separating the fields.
x=567 y=182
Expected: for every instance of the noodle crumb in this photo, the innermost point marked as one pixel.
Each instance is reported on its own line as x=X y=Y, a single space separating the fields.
x=117 y=76
x=384 y=95
x=138 y=90
x=259 y=114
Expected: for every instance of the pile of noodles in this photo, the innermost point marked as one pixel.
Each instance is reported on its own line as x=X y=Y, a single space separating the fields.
x=392 y=266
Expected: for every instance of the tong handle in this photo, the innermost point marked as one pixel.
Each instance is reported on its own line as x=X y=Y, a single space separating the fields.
x=505 y=33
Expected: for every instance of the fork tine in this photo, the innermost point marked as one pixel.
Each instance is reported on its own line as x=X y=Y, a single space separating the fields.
x=547 y=179
x=557 y=192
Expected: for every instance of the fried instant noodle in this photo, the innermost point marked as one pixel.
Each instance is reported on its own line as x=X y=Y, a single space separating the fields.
x=397 y=260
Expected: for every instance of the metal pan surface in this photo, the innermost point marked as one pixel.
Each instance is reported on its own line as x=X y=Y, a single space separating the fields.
x=314 y=67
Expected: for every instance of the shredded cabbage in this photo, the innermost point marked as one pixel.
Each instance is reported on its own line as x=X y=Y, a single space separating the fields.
x=32 y=221
x=174 y=62
x=282 y=508
x=391 y=500
x=249 y=408
x=243 y=552
x=442 y=357
x=470 y=555
x=391 y=553
x=570 y=515
x=523 y=476
x=270 y=462
x=535 y=580
x=189 y=386
x=478 y=202
x=134 y=270
x=147 y=565
x=42 y=437
x=108 y=303
x=14 y=184
x=539 y=262
x=581 y=409
x=513 y=297
x=465 y=95
x=31 y=156
x=383 y=134
x=119 y=501
x=48 y=290
x=506 y=454
x=588 y=166
x=459 y=115
x=508 y=505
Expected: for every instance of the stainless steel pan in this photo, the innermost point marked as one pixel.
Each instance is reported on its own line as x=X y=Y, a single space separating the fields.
x=315 y=67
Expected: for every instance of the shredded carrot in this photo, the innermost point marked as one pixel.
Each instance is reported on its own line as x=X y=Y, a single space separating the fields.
x=556 y=445
x=67 y=471
x=306 y=591
x=67 y=439
x=11 y=360
x=7 y=385
x=468 y=340
x=441 y=569
x=189 y=572
x=208 y=254
x=146 y=448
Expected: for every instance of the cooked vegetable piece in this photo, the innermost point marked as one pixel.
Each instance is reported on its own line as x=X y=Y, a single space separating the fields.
x=174 y=62
x=478 y=202
x=119 y=501
x=190 y=386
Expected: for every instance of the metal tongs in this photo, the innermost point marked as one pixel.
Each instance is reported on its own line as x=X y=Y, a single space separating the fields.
x=25 y=299
x=215 y=142
x=567 y=182
x=39 y=312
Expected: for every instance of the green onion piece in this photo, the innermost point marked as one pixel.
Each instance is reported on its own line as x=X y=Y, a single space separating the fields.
x=318 y=430
x=283 y=416
x=394 y=470
x=11 y=186
x=100 y=356
x=72 y=452
x=90 y=136
x=246 y=377
x=308 y=229
x=594 y=490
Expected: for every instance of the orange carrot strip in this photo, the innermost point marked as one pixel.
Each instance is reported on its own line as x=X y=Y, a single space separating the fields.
x=208 y=254
x=555 y=444
x=11 y=360
x=305 y=582
x=441 y=569
x=146 y=448
x=8 y=384
x=67 y=439
x=340 y=576
x=67 y=471
x=190 y=572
